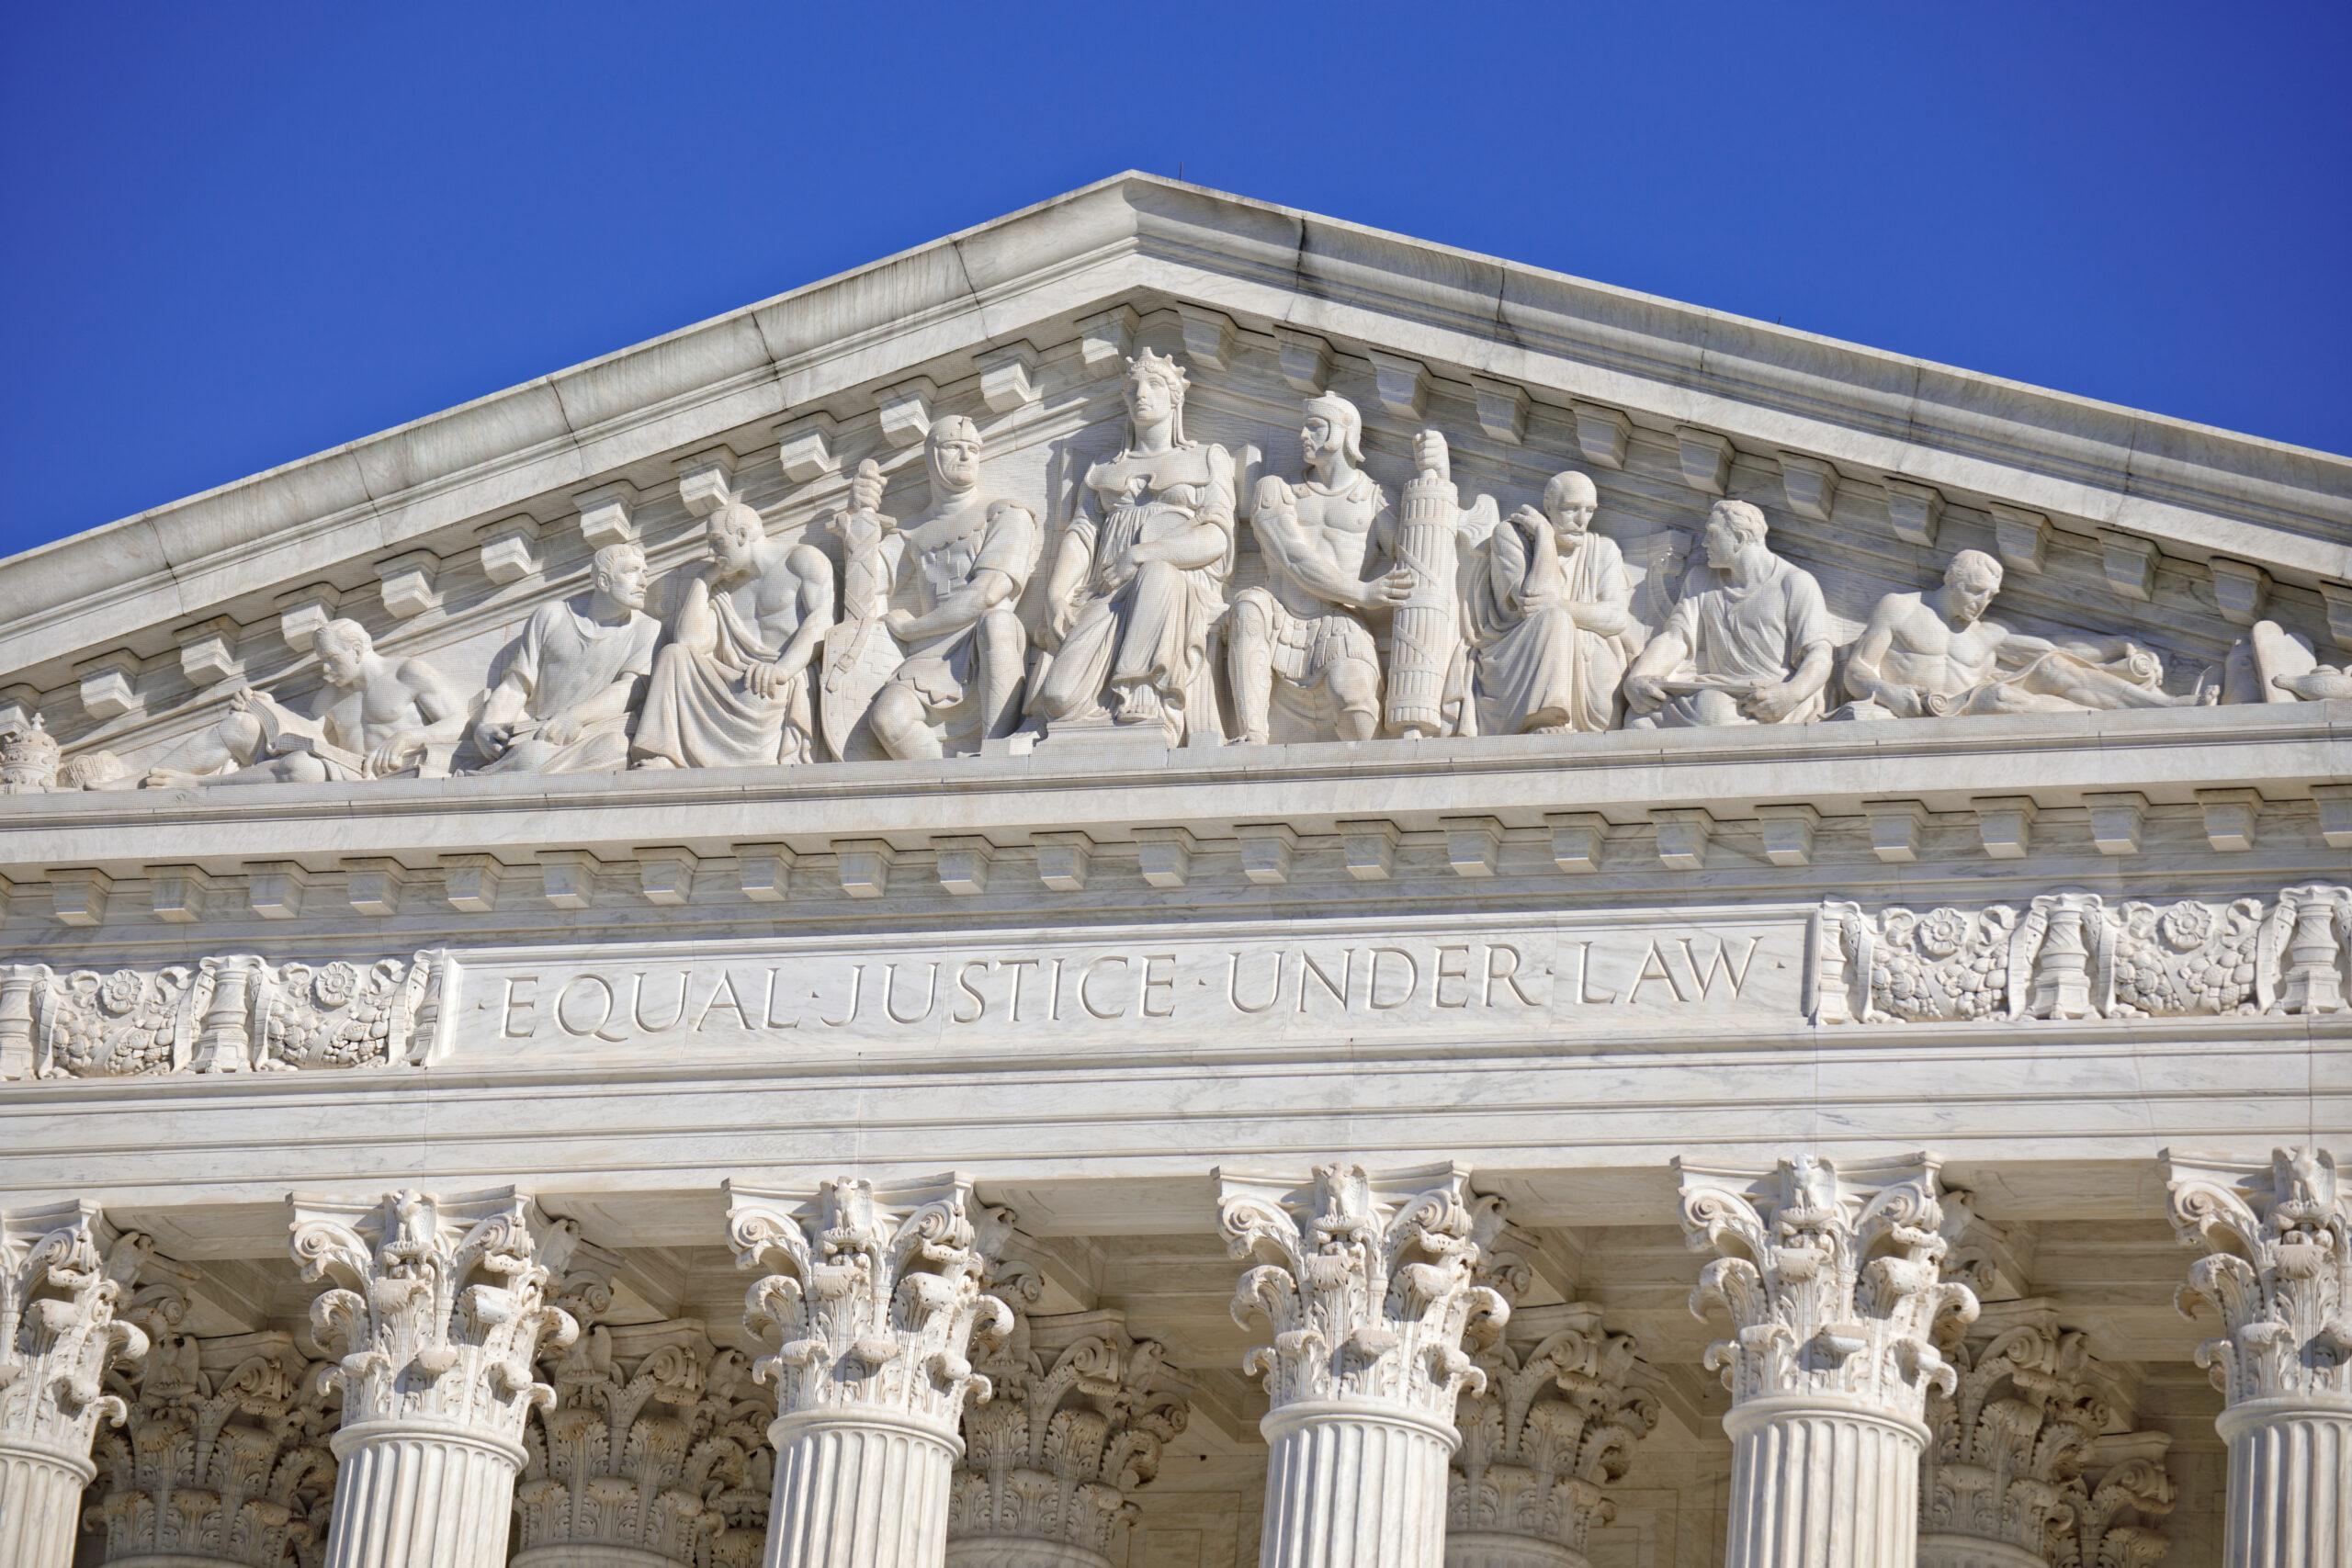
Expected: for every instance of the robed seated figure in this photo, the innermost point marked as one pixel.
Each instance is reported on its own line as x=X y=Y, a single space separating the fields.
x=563 y=703
x=1140 y=576
x=1550 y=618
x=730 y=688
x=1750 y=640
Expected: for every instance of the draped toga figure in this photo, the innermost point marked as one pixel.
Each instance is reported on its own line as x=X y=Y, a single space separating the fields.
x=563 y=704
x=1140 y=576
x=731 y=689
x=1550 y=618
x=1751 y=646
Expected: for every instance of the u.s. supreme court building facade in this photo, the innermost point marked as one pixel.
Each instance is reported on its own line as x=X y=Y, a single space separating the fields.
x=1176 y=885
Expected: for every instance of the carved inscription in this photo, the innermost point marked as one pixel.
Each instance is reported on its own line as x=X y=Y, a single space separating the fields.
x=1248 y=988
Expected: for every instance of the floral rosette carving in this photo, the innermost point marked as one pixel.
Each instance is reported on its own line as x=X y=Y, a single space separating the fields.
x=64 y=1277
x=224 y=1455
x=2076 y=955
x=1069 y=1431
x=228 y=1013
x=1372 y=1291
x=1554 y=1428
x=640 y=1447
x=436 y=1306
x=2016 y=1453
x=876 y=1298
x=2276 y=1270
x=1834 y=1283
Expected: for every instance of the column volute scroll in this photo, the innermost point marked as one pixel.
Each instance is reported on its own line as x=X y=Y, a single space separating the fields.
x=65 y=1278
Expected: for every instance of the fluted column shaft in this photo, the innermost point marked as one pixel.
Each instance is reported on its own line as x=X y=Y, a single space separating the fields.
x=860 y=1489
x=1349 y=1484
x=41 y=1505
x=413 y=1493
x=1822 y=1482
x=2290 y=1484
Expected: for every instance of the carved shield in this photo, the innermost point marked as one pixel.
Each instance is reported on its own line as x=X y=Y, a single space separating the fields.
x=857 y=656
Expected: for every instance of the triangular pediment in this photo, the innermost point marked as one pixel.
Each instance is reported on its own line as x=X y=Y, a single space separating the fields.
x=442 y=536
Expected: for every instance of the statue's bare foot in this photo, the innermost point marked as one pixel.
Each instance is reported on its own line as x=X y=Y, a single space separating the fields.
x=1138 y=704
x=167 y=778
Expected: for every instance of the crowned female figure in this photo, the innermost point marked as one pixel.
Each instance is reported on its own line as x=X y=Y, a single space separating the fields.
x=1140 y=576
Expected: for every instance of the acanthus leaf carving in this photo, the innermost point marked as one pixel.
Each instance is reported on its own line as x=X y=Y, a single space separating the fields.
x=435 y=1306
x=65 y=1275
x=2276 y=1270
x=2022 y=1451
x=653 y=1444
x=224 y=1455
x=1832 y=1279
x=1077 y=1420
x=873 y=1297
x=1371 y=1287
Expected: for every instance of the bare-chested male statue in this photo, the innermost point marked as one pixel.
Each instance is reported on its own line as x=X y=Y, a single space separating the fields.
x=731 y=688
x=563 y=704
x=374 y=715
x=1302 y=629
x=1934 y=655
x=967 y=650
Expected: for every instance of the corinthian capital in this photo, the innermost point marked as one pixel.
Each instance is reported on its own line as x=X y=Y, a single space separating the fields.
x=1370 y=1283
x=875 y=1295
x=2033 y=1448
x=1552 y=1431
x=2277 y=1268
x=436 y=1305
x=65 y=1280
x=224 y=1457
x=1833 y=1278
x=1077 y=1422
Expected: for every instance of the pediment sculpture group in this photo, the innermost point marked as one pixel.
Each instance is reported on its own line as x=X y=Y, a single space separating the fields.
x=1494 y=625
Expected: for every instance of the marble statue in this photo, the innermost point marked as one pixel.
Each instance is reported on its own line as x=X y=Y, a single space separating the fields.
x=1302 y=634
x=1549 y=615
x=564 y=701
x=971 y=558
x=731 y=689
x=374 y=715
x=1933 y=655
x=1754 y=647
x=1139 y=579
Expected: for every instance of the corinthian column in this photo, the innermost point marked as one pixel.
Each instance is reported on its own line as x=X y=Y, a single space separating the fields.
x=1542 y=1443
x=1833 y=1281
x=2277 y=1272
x=1370 y=1289
x=224 y=1457
x=64 y=1275
x=2031 y=1457
x=1074 y=1424
x=872 y=1311
x=649 y=1430
x=437 y=1306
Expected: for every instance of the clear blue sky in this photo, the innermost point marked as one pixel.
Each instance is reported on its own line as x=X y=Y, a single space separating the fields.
x=237 y=234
